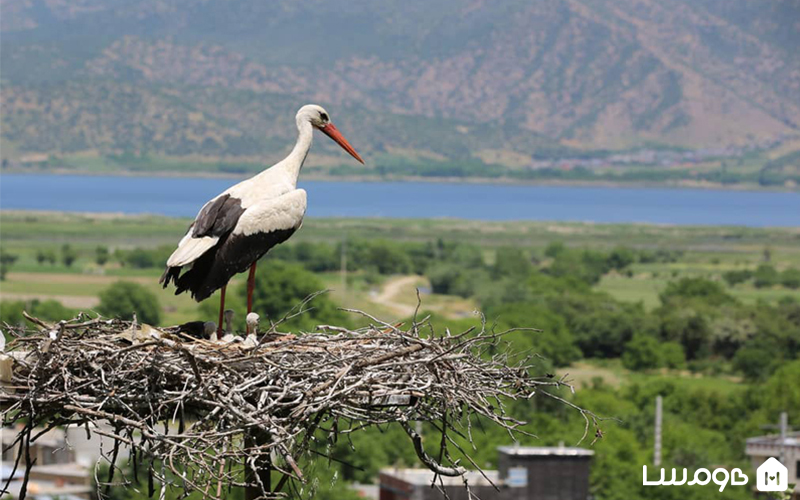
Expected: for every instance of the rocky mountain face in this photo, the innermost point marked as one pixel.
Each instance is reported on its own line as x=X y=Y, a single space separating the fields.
x=417 y=79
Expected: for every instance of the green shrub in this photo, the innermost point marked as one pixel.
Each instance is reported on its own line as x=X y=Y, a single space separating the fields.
x=738 y=276
x=689 y=327
x=672 y=355
x=554 y=342
x=48 y=310
x=755 y=363
x=452 y=279
x=642 y=353
x=139 y=258
x=696 y=288
x=511 y=261
x=68 y=255
x=281 y=287
x=601 y=325
x=6 y=261
x=621 y=257
x=388 y=258
x=554 y=249
x=587 y=265
x=766 y=276
x=124 y=298
x=790 y=278
x=101 y=255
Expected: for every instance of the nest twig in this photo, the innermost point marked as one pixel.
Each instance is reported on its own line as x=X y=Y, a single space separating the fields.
x=193 y=411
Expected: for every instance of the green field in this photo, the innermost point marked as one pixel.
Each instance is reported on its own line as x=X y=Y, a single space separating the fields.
x=707 y=252
x=618 y=357
x=706 y=244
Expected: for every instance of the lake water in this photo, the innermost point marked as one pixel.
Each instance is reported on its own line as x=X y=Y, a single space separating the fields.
x=185 y=196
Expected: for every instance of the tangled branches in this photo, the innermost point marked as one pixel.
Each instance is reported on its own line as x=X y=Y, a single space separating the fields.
x=193 y=412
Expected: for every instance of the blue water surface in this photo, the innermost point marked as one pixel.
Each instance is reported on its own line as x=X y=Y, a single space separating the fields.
x=184 y=197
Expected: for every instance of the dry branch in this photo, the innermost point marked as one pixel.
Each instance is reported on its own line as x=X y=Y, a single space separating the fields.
x=195 y=410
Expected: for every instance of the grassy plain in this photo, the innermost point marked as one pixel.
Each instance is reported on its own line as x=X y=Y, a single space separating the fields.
x=587 y=372
x=707 y=251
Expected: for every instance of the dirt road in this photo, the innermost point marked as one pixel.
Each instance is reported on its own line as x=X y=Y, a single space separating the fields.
x=393 y=289
x=83 y=302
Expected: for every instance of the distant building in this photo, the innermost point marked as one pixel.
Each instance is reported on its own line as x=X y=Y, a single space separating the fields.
x=57 y=472
x=49 y=448
x=524 y=473
x=785 y=448
x=415 y=484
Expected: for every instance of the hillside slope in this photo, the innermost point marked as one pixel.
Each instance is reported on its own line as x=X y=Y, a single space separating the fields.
x=432 y=81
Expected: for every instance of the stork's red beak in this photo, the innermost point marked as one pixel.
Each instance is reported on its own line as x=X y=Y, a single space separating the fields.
x=337 y=136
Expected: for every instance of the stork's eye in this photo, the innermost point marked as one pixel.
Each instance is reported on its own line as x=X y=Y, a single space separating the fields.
x=323 y=116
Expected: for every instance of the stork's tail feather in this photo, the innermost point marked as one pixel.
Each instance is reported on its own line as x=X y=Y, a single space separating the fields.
x=170 y=274
x=194 y=281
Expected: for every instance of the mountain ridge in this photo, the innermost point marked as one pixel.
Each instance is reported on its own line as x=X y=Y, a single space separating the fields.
x=447 y=80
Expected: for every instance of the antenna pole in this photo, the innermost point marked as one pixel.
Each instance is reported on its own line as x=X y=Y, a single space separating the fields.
x=784 y=432
x=344 y=266
x=657 y=450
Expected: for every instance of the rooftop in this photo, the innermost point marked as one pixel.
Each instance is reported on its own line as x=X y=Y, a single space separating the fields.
x=424 y=477
x=792 y=440
x=48 y=490
x=53 y=438
x=562 y=451
x=71 y=469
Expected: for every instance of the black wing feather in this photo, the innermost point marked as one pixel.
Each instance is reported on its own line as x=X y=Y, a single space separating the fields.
x=231 y=256
x=218 y=217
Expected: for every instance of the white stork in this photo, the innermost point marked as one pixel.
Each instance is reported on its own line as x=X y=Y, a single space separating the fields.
x=236 y=228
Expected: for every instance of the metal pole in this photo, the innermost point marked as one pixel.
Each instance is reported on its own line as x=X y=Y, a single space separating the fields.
x=657 y=451
x=344 y=266
x=784 y=431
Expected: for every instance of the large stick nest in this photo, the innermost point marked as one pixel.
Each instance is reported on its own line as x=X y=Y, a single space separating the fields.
x=193 y=411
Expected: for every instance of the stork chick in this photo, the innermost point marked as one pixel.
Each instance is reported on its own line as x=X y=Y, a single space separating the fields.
x=198 y=329
x=252 y=330
x=227 y=335
x=209 y=329
x=228 y=315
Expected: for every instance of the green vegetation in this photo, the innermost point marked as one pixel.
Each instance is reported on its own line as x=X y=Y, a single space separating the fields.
x=781 y=170
x=101 y=255
x=49 y=310
x=68 y=255
x=713 y=172
x=123 y=299
x=6 y=261
x=495 y=253
x=281 y=288
x=709 y=318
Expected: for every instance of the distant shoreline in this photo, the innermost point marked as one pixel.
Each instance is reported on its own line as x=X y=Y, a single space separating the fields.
x=182 y=196
x=683 y=184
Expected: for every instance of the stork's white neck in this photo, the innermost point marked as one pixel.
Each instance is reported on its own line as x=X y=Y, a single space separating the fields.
x=294 y=162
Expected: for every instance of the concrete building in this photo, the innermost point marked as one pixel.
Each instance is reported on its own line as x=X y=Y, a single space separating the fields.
x=56 y=473
x=524 y=473
x=785 y=447
x=49 y=448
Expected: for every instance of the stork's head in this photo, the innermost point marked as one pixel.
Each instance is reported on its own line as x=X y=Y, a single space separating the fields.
x=321 y=120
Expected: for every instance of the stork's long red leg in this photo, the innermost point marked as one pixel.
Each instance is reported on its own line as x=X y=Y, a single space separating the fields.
x=221 y=310
x=251 y=284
